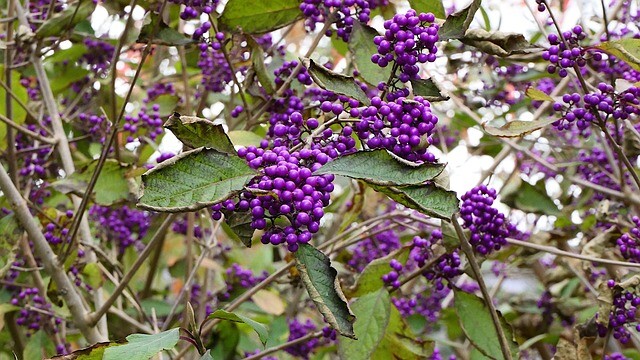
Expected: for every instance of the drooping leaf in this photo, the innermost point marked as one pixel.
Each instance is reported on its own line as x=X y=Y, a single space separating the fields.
x=535 y=94
x=244 y=138
x=338 y=83
x=457 y=24
x=517 y=128
x=164 y=35
x=259 y=328
x=19 y=114
x=10 y=234
x=362 y=48
x=142 y=346
x=323 y=287
x=370 y=279
x=194 y=180
x=478 y=327
x=372 y=312
x=627 y=50
x=380 y=168
x=111 y=186
x=238 y=226
x=94 y=352
x=429 y=199
x=531 y=198
x=196 y=132
x=257 y=60
x=256 y=17
x=39 y=346
x=400 y=342
x=428 y=89
x=428 y=6
x=66 y=20
x=498 y=43
x=92 y=275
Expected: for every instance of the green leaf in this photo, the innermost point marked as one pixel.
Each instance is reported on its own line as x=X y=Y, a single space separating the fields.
x=257 y=17
x=428 y=89
x=535 y=94
x=8 y=308
x=498 y=43
x=225 y=340
x=39 y=346
x=627 y=50
x=66 y=20
x=400 y=342
x=323 y=287
x=143 y=347
x=428 y=6
x=531 y=198
x=167 y=103
x=194 y=180
x=370 y=279
x=10 y=234
x=92 y=275
x=372 y=312
x=62 y=76
x=19 y=114
x=164 y=35
x=196 y=132
x=259 y=328
x=517 y=128
x=362 y=48
x=380 y=168
x=429 y=199
x=457 y=24
x=244 y=138
x=257 y=60
x=478 y=327
x=111 y=186
x=94 y=352
x=238 y=226
x=337 y=83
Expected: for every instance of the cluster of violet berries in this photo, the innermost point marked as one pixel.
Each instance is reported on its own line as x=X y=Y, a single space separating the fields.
x=298 y=329
x=287 y=191
x=568 y=53
x=602 y=104
x=628 y=243
x=625 y=304
x=489 y=228
x=122 y=226
x=345 y=13
x=236 y=278
x=409 y=39
x=401 y=126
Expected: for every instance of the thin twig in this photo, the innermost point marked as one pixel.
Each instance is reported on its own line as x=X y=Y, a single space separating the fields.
x=142 y=257
x=475 y=268
x=29 y=133
x=283 y=346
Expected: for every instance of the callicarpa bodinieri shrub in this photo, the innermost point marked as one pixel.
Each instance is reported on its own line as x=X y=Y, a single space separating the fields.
x=320 y=179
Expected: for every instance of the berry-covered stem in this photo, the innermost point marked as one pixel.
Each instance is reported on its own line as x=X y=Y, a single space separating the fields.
x=283 y=346
x=142 y=257
x=475 y=268
x=32 y=134
x=49 y=259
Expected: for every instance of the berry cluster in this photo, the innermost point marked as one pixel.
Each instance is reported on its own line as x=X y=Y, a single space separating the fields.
x=629 y=243
x=623 y=312
x=488 y=227
x=565 y=52
x=402 y=126
x=55 y=234
x=285 y=192
x=379 y=245
x=344 y=12
x=236 y=278
x=98 y=55
x=123 y=226
x=409 y=39
x=34 y=309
